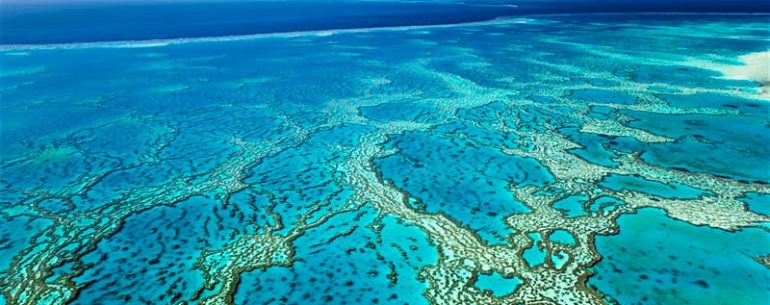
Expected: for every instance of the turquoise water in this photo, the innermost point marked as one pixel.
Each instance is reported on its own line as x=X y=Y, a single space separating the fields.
x=522 y=160
x=562 y=236
x=572 y=206
x=497 y=284
x=759 y=203
x=535 y=255
x=687 y=264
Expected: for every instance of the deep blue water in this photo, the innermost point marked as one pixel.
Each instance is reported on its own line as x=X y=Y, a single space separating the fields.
x=42 y=22
x=57 y=23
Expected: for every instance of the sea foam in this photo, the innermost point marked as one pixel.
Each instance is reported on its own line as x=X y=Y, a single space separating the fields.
x=756 y=67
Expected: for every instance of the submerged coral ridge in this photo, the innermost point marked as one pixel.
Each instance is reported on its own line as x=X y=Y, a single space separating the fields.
x=509 y=162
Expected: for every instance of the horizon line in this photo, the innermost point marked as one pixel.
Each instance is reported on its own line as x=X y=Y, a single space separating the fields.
x=150 y=43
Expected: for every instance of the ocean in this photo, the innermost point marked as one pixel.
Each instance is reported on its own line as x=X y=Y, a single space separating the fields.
x=373 y=153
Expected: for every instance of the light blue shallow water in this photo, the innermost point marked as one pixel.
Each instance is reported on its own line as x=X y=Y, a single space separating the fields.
x=686 y=264
x=759 y=203
x=497 y=284
x=391 y=166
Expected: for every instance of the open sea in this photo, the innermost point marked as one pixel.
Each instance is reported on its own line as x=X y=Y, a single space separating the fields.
x=367 y=153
